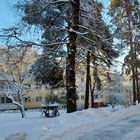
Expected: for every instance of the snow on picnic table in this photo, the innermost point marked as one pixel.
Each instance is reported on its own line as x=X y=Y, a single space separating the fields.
x=91 y=124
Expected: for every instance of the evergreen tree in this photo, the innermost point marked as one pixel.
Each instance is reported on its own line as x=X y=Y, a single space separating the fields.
x=47 y=72
x=54 y=17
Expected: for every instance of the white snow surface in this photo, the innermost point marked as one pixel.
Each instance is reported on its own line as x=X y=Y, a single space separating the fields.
x=90 y=124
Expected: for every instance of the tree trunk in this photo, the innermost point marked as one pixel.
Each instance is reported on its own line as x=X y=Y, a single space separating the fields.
x=22 y=111
x=92 y=93
x=137 y=83
x=70 y=66
x=87 y=82
x=21 y=104
x=137 y=80
x=133 y=78
x=132 y=58
x=21 y=108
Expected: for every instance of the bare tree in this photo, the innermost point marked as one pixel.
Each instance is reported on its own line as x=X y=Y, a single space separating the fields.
x=15 y=73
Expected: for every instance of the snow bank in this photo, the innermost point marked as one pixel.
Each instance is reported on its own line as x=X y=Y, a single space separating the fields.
x=91 y=124
x=37 y=128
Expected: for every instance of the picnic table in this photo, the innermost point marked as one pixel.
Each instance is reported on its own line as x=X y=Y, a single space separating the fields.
x=50 y=111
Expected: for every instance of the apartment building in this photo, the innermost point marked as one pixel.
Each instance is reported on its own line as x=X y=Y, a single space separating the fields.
x=112 y=83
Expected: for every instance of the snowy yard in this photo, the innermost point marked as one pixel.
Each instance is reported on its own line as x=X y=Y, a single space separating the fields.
x=91 y=124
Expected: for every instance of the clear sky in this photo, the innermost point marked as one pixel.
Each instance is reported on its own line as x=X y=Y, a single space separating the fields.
x=105 y=2
x=8 y=16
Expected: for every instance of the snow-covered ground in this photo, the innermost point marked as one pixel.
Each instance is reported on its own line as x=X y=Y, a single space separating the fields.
x=91 y=124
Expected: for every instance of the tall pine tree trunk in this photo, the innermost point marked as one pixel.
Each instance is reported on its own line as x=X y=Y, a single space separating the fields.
x=70 y=66
x=137 y=83
x=92 y=87
x=92 y=93
x=87 y=82
x=137 y=79
x=133 y=74
x=132 y=55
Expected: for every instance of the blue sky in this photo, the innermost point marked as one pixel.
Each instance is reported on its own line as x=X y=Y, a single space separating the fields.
x=105 y=2
x=9 y=17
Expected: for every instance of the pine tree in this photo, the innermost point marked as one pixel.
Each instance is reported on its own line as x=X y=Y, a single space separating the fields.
x=55 y=18
x=99 y=32
x=125 y=13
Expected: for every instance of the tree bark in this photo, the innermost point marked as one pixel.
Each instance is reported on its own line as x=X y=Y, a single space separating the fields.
x=133 y=77
x=137 y=83
x=132 y=56
x=137 y=79
x=92 y=93
x=87 y=82
x=70 y=66
x=21 y=107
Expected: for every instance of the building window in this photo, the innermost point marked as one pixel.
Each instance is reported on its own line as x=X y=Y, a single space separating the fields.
x=8 y=100
x=127 y=91
x=39 y=98
x=119 y=91
x=28 y=85
x=38 y=87
x=82 y=97
x=26 y=99
x=2 y=100
x=96 y=96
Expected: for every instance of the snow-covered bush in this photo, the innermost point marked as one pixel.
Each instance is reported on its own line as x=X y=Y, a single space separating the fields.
x=118 y=99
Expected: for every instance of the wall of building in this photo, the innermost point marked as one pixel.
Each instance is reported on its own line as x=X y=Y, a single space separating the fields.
x=121 y=84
